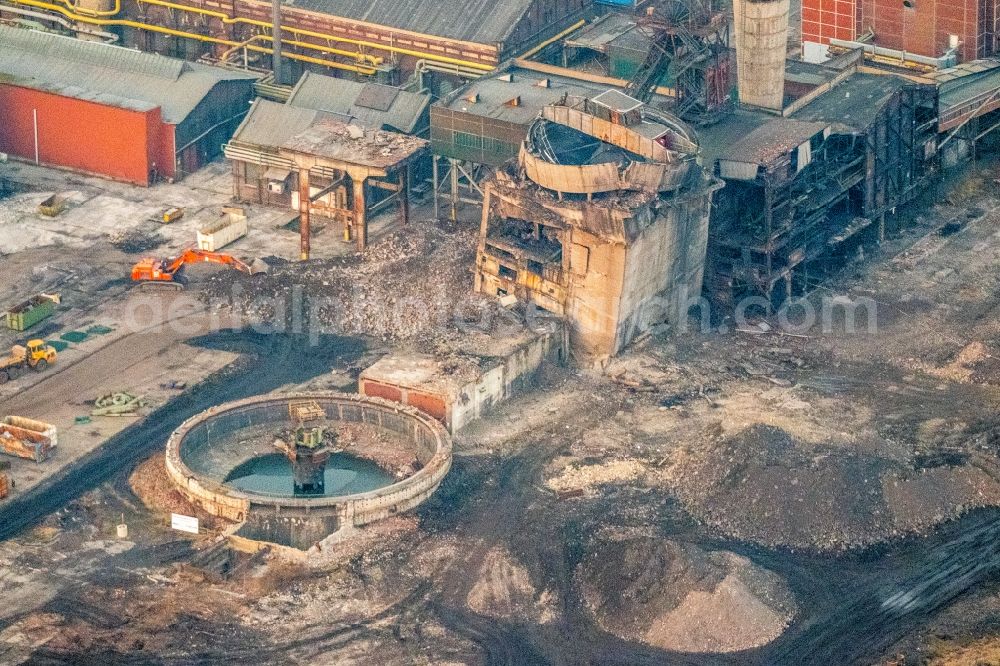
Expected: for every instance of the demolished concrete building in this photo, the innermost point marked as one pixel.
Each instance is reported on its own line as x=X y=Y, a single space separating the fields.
x=473 y=380
x=604 y=221
x=804 y=191
x=481 y=126
x=322 y=165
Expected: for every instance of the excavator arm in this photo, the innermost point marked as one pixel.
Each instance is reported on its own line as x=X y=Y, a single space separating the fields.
x=165 y=270
x=193 y=256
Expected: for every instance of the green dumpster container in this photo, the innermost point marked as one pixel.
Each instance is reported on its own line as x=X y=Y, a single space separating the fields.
x=24 y=315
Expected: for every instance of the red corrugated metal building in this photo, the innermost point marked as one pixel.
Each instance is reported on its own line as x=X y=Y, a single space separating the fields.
x=111 y=111
x=923 y=27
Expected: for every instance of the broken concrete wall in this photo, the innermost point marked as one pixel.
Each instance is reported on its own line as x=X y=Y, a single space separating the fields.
x=664 y=269
x=516 y=372
x=270 y=525
x=623 y=269
x=620 y=238
x=457 y=397
x=596 y=284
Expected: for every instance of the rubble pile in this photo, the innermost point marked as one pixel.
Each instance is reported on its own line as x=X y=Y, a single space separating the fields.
x=414 y=283
x=762 y=485
x=380 y=142
x=151 y=484
x=504 y=590
x=383 y=447
x=366 y=145
x=578 y=476
x=681 y=597
x=134 y=241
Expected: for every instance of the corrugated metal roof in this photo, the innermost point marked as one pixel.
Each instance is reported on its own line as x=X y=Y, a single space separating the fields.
x=270 y=124
x=855 y=103
x=965 y=69
x=957 y=92
x=337 y=141
x=478 y=21
x=341 y=96
x=377 y=97
x=106 y=73
x=272 y=127
x=600 y=34
x=771 y=140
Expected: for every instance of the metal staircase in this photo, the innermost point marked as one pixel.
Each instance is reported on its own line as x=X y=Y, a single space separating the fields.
x=687 y=39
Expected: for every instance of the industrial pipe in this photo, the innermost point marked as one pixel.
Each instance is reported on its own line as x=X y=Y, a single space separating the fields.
x=425 y=66
x=109 y=36
x=565 y=33
x=96 y=12
x=373 y=60
x=306 y=45
x=224 y=18
x=947 y=60
x=190 y=35
x=422 y=67
x=279 y=73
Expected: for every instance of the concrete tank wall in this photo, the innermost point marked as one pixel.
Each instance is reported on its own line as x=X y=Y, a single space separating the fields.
x=761 y=31
x=298 y=521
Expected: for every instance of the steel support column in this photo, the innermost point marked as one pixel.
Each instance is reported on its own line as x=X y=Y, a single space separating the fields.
x=404 y=195
x=434 y=164
x=454 y=189
x=304 y=214
x=360 y=214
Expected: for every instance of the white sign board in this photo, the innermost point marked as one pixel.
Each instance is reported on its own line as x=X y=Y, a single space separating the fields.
x=183 y=523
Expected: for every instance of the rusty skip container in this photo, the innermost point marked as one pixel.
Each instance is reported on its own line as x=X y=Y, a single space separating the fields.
x=172 y=215
x=53 y=205
x=231 y=226
x=27 y=438
x=24 y=315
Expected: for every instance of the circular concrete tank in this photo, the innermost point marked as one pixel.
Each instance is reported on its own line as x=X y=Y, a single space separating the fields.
x=301 y=521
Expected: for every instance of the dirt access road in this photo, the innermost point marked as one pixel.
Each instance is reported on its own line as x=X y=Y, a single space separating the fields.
x=266 y=362
x=145 y=358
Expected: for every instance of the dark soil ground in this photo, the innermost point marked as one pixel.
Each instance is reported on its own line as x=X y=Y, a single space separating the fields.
x=832 y=477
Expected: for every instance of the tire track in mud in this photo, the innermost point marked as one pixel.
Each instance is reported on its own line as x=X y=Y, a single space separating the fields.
x=854 y=607
x=494 y=514
x=890 y=595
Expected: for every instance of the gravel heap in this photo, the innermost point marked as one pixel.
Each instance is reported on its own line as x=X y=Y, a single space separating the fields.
x=683 y=598
x=134 y=241
x=504 y=590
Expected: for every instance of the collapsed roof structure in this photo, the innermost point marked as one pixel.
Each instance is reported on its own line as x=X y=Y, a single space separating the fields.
x=319 y=164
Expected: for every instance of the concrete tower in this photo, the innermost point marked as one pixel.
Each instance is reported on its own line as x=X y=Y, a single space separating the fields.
x=761 y=45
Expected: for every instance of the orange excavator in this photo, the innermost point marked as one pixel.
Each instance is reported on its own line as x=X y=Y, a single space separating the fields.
x=168 y=271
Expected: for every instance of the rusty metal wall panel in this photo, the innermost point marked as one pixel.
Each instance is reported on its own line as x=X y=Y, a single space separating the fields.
x=466 y=136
